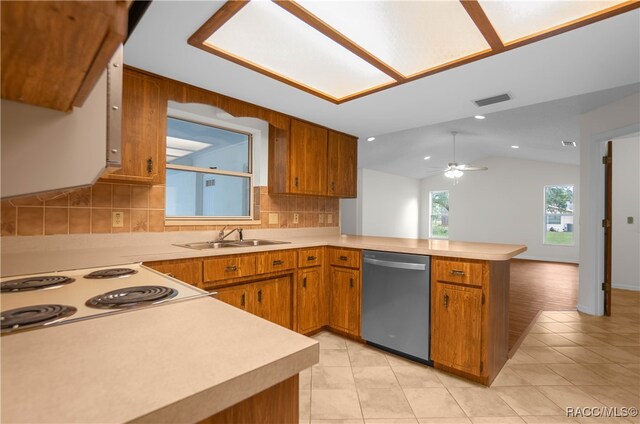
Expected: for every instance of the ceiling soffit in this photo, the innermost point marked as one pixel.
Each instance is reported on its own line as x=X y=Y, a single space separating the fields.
x=343 y=50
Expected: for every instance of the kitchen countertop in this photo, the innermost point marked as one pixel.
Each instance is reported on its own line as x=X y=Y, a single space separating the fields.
x=179 y=362
x=51 y=253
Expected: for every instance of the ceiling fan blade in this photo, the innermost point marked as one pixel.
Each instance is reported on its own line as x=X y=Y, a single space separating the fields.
x=472 y=168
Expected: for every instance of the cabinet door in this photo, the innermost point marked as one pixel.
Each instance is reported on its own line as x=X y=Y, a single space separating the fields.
x=308 y=158
x=344 y=312
x=237 y=296
x=189 y=271
x=342 y=165
x=456 y=331
x=144 y=112
x=272 y=300
x=309 y=299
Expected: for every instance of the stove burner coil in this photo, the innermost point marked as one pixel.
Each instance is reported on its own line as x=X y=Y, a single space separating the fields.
x=130 y=297
x=33 y=316
x=110 y=273
x=34 y=283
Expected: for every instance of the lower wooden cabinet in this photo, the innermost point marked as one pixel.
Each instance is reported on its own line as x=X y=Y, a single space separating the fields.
x=311 y=299
x=187 y=270
x=469 y=316
x=456 y=331
x=269 y=299
x=344 y=313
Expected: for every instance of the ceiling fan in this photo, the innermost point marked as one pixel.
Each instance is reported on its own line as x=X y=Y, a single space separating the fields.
x=455 y=170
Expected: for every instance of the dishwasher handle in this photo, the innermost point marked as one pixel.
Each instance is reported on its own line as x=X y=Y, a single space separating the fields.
x=392 y=264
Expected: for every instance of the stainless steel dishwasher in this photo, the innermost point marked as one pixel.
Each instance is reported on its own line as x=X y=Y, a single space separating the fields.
x=395 y=302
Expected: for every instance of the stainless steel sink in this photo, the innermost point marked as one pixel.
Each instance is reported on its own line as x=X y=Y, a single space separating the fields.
x=230 y=243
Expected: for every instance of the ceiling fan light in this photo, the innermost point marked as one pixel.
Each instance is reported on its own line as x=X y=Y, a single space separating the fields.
x=453 y=173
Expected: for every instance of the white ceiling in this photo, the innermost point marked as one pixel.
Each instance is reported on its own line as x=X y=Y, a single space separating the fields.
x=598 y=57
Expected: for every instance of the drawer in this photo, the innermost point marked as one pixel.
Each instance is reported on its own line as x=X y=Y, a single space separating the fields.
x=459 y=271
x=344 y=257
x=229 y=267
x=279 y=260
x=309 y=257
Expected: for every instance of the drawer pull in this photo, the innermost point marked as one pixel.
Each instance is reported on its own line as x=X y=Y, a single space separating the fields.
x=260 y=296
x=343 y=258
x=304 y=282
x=242 y=299
x=457 y=272
x=277 y=262
x=446 y=301
x=168 y=274
x=231 y=268
x=312 y=258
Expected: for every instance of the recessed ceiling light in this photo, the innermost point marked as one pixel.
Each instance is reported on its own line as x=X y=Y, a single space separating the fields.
x=479 y=117
x=568 y=143
x=371 y=138
x=427 y=157
x=515 y=147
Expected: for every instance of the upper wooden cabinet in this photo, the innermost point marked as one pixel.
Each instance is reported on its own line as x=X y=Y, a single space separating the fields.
x=342 y=165
x=309 y=159
x=53 y=52
x=144 y=115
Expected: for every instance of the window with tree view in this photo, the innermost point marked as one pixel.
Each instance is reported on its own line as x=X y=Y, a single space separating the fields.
x=558 y=215
x=208 y=171
x=439 y=214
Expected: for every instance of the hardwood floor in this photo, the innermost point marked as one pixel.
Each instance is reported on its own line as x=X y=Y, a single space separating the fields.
x=539 y=286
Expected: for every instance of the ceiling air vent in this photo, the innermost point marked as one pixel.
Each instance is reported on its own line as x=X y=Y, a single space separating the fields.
x=491 y=100
x=568 y=143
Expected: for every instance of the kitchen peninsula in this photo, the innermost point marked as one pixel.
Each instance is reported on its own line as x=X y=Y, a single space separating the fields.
x=208 y=355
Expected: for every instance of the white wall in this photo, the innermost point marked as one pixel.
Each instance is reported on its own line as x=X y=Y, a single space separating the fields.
x=387 y=206
x=614 y=120
x=626 y=203
x=504 y=205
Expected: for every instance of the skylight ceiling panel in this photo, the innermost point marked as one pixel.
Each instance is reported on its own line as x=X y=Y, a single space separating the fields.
x=517 y=19
x=409 y=36
x=270 y=38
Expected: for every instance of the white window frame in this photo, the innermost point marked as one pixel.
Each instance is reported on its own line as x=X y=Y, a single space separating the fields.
x=204 y=220
x=431 y=215
x=545 y=214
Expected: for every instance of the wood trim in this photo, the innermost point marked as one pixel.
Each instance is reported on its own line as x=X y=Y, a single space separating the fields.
x=472 y=7
x=608 y=217
x=216 y=21
x=319 y=25
x=479 y=18
x=576 y=23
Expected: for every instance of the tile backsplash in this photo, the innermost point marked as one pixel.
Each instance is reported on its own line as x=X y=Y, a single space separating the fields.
x=89 y=210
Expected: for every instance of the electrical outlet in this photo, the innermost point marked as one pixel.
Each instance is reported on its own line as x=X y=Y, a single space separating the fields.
x=273 y=218
x=296 y=218
x=117 y=219
x=329 y=218
x=320 y=218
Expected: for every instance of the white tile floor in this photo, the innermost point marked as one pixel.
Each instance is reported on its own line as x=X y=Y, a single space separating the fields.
x=568 y=360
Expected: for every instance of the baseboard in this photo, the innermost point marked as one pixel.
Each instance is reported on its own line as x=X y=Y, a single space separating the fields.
x=634 y=287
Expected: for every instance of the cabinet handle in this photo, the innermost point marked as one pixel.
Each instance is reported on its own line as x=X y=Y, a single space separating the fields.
x=351 y=282
x=295 y=182
x=333 y=186
x=311 y=258
x=457 y=272
x=446 y=301
x=242 y=299
x=343 y=258
x=231 y=268
x=304 y=282
x=149 y=165
x=277 y=262
x=168 y=274
x=260 y=296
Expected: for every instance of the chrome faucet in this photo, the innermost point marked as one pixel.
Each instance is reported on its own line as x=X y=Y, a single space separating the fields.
x=222 y=235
